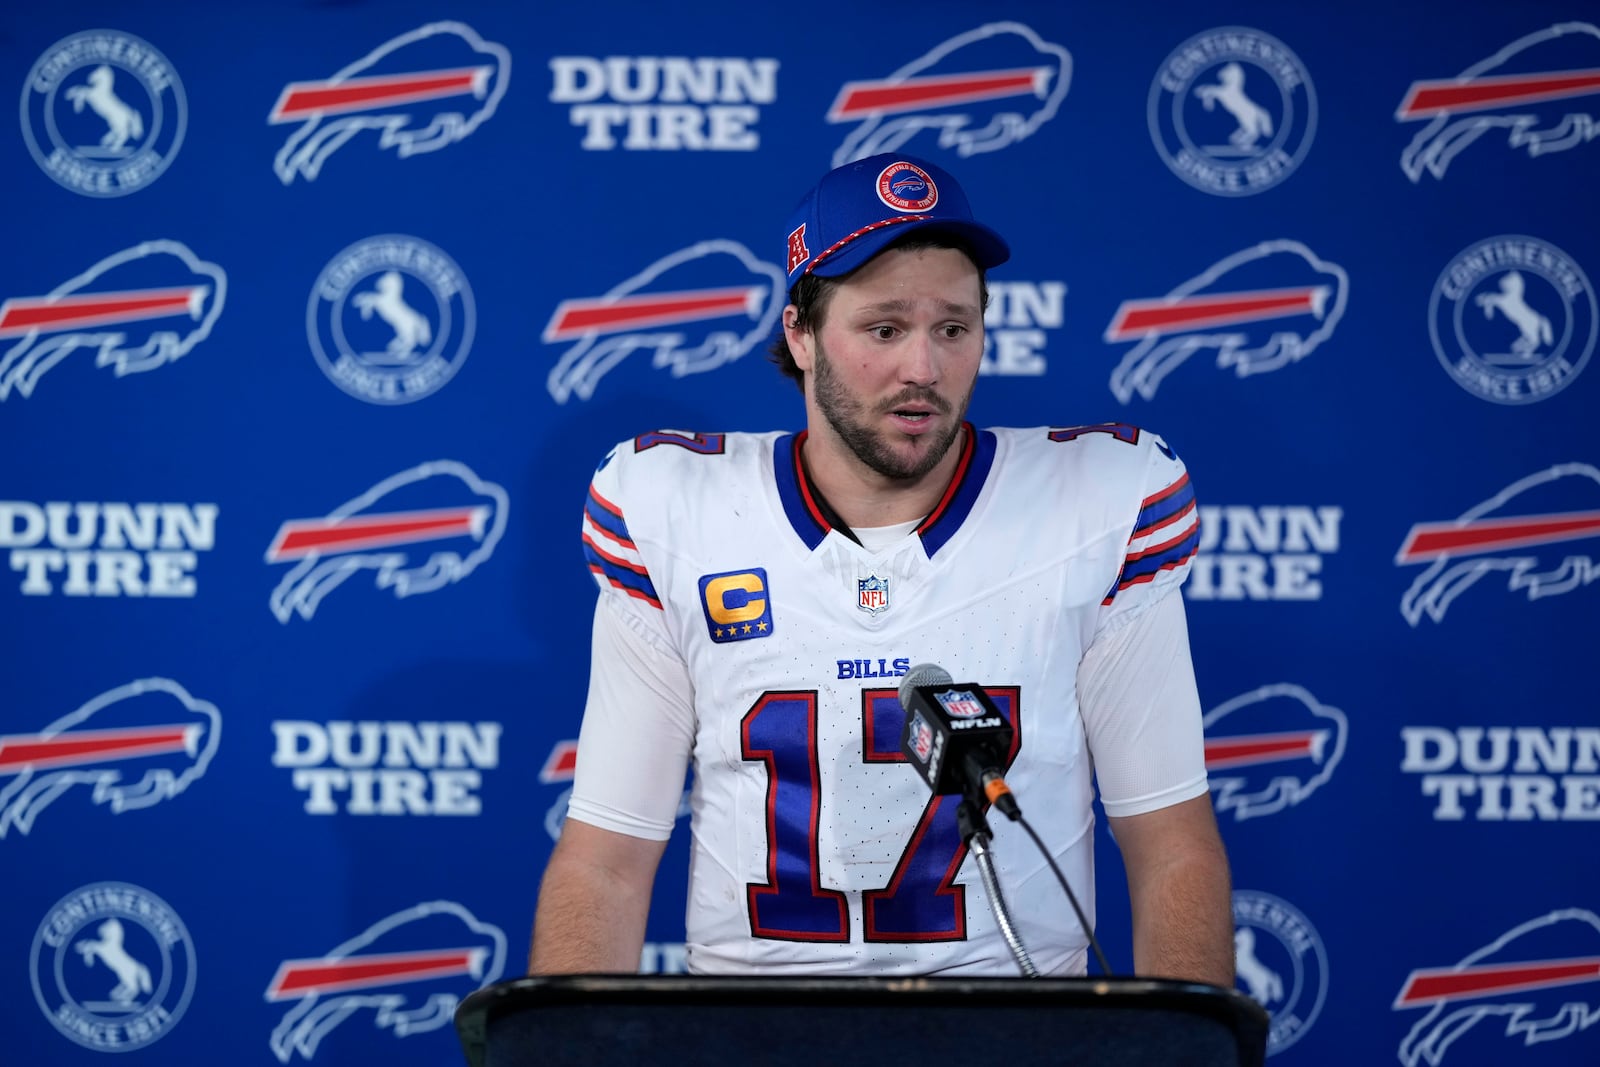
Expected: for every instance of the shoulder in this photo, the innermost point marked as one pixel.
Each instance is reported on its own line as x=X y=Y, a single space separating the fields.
x=661 y=468
x=1115 y=461
x=658 y=452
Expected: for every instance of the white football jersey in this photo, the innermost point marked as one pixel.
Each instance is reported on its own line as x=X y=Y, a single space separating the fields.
x=817 y=849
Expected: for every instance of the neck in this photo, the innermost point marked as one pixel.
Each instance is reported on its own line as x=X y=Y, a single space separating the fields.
x=862 y=497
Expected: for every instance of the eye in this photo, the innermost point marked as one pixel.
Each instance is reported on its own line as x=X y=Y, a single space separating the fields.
x=952 y=330
x=884 y=333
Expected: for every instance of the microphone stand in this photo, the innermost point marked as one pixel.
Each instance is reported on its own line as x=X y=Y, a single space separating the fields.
x=974 y=830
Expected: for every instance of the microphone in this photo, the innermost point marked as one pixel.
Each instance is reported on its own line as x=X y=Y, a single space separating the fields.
x=956 y=738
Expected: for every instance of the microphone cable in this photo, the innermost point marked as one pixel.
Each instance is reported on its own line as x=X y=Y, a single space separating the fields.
x=1100 y=957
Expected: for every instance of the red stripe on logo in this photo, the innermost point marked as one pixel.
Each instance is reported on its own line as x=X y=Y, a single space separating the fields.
x=574 y=318
x=1428 y=98
x=304 y=537
x=301 y=100
x=562 y=764
x=1431 y=540
x=859 y=99
x=1245 y=751
x=308 y=978
x=83 y=310
x=1142 y=318
x=1431 y=986
x=36 y=752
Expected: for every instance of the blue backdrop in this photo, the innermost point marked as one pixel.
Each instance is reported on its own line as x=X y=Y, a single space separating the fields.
x=316 y=318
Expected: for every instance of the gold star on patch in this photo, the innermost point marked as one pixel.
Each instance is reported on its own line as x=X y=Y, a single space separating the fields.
x=746 y=627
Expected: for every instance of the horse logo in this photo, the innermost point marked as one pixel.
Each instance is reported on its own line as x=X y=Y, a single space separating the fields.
x=1256 y=113
x=123 y=122
x=1538 y=323
x=103 y=113
x=1255 y=121
x=1511 y=302
x=411 y=328
x=1281 y=963
x=1263 y=984
x=134 y=971
x=133 y=977
x=391 y=319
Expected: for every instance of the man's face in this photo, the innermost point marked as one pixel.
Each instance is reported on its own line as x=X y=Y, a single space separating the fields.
x=891 y=370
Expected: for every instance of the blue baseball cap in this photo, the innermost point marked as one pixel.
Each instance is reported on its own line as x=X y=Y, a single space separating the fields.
x=859 y=209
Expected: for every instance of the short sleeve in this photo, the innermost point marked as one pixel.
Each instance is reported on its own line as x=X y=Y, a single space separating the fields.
x=1163 y=538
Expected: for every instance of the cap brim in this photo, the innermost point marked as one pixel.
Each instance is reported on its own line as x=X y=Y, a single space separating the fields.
x=989 y=249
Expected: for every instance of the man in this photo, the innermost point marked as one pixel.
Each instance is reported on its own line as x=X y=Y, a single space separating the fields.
x=761 y=594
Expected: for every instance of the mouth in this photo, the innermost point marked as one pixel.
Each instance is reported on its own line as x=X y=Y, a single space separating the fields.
x=914 y=418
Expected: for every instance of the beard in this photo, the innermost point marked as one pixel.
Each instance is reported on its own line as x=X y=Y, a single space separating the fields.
x=846 y=414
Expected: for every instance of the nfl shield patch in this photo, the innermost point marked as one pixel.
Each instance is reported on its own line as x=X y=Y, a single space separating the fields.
x=960 y=703
x=872 y=594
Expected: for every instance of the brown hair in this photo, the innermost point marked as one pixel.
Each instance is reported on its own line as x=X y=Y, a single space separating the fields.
x=810 y=297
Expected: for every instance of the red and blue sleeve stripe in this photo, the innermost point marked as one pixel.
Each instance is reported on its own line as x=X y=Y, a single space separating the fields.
x=1166 y=535
x=611 y=552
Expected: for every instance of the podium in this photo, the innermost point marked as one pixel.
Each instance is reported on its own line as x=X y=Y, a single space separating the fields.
x=557 y=1021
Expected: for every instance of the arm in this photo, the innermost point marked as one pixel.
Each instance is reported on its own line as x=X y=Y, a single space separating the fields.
x=632 y=752
x=570 y=934
x=1142 y=713
x=1180 y=892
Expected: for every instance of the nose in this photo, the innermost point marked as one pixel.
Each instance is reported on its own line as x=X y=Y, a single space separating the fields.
x=919 y=364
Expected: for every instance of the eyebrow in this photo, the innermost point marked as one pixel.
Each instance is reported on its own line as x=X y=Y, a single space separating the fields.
x=901 y=306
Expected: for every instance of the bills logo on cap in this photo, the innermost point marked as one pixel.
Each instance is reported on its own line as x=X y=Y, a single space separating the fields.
x=113 y=967
x=139 y=309
x=907 y=187
x=1270 y=749
x=420 y=530
x=421 y=91
x=103 y=113
x=391 y=319
x=1531 y=89
x=1502 y=534
x=412 y=969
x=694 y=311
x=980 y=91
x=1260 y=309
x=1513 y=320
x=1536 y=981
x=136 y=745
x=1232 y=111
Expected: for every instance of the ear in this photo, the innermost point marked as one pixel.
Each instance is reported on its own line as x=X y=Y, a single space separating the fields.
x=801 y=342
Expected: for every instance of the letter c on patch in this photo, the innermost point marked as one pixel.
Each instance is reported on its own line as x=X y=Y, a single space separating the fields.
x=732 y=598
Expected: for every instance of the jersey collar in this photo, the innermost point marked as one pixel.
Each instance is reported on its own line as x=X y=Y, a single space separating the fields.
x=812 y=520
